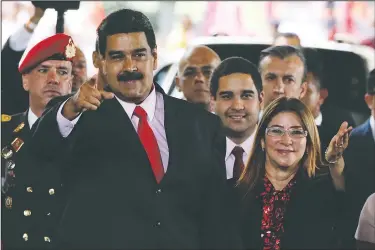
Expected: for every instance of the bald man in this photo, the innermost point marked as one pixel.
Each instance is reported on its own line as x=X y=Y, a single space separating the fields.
x=291 y=39
x=79 y=70
x=194 y=74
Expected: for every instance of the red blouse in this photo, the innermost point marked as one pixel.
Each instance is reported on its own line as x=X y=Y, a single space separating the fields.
x=274 y=206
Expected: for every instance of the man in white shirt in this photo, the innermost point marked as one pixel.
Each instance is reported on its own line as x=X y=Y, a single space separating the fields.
x=236 y=88
x=31 y=199
x=142 y=170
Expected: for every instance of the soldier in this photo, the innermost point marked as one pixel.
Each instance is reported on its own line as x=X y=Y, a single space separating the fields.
x=31 y=202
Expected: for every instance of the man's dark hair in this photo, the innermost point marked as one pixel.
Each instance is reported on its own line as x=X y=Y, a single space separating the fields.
x=125 y=21
x=233 y=65
x=283 y=52
x=97 y=45
x=370 y=86
x=314 y=64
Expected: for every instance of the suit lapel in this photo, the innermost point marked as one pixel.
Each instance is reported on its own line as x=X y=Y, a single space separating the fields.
x=115 y=125
x=172 y=131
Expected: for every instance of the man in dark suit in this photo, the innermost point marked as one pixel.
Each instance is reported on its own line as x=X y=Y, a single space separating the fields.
x=235 y=90
x=31 y=188
x=360 y=163
x=142 y=169
x=329 y=118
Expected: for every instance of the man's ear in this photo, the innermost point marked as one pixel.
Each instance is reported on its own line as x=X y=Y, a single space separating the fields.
x=96 y=59
x=178 y=84
x=368 y=100
x=303 y=90
x=212 y=103
x=261 y=98
x=323 y=95
x=155 y=56
x=25 y=82
x=70 y=83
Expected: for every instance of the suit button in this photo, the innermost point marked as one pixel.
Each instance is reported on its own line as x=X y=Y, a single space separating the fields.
x=29 y=189
x=51 y=191
x=158 y=224
x=47 y=239
x=25 y=237
x=158 y=191
x=48 y=214
x=27 y=212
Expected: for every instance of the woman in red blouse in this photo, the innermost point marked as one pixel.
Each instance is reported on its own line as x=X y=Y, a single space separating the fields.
x=284 y=204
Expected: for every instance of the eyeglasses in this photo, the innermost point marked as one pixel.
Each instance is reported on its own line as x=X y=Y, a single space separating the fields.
x=292 y=132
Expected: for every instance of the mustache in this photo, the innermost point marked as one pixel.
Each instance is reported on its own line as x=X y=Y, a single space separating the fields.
x=129 y=76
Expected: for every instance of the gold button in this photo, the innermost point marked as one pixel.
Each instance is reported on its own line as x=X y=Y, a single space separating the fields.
x=25 y=236
x=27 y=212
x=47 y=239
x=8 y=202
x=29 y=189
x=51 y=191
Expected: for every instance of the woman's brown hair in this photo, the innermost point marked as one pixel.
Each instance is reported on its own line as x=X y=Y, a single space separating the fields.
x=254 y=170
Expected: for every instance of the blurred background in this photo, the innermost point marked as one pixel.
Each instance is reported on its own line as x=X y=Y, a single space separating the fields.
x=177 y=22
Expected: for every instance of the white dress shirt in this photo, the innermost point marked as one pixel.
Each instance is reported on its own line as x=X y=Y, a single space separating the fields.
x=366 y=225
x=229 y=157
x=319 y=119
x=154 y=107
x=372 y=125
x=31 y=118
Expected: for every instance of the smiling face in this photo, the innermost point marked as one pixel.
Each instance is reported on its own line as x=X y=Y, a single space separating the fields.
x=129 y=53
x=284 y=151
x=237 y=104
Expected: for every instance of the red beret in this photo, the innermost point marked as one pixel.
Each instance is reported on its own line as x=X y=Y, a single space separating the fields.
x=59 y=45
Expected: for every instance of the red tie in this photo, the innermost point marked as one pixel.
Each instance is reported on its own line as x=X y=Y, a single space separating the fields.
x=238 y=162
x=149 y=143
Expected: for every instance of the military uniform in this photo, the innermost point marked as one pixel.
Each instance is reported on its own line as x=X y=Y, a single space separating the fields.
x=32 y=198
x=32 y=201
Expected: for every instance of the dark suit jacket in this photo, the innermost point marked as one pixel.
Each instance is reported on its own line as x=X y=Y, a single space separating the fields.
x=359 y=173
x=44 y=202
x=14 y=99
x=310 y=219
x=113 y=200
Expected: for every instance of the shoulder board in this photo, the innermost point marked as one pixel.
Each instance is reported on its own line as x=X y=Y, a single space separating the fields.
x=5 y=118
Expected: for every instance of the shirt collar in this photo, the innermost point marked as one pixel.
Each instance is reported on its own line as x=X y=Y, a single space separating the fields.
x=31 y=118
x=319 y=119
x=149 y=105
x=246 y=145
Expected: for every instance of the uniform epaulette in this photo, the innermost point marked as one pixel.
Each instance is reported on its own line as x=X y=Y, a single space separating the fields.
x=5 y=118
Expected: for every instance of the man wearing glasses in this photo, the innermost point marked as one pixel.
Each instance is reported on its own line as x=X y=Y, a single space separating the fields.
x=194 y=74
